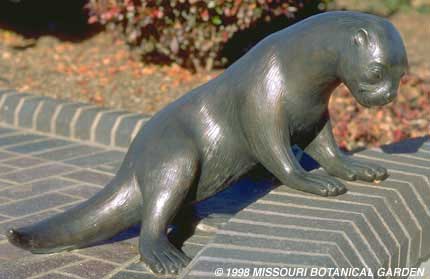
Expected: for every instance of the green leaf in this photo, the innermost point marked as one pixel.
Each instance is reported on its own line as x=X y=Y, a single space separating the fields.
x=216 y=20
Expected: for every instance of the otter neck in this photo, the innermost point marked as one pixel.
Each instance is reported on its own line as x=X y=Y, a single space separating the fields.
x=317 y=51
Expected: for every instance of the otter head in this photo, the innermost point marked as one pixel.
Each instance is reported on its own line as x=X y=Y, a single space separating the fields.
x=373 y=63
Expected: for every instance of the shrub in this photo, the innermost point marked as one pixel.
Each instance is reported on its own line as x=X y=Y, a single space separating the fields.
x=36 y=18
x=193 y=33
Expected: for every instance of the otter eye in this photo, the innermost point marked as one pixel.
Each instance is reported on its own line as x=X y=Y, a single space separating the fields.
x=374 y=74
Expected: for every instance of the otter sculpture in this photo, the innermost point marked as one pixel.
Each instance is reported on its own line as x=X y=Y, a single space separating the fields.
x=273 y=97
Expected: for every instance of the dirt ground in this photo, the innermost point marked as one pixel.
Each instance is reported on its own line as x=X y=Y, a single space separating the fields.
x=415 y=29
x=102 y=70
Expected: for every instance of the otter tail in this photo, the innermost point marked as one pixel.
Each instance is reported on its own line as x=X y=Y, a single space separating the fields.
x=112 y=210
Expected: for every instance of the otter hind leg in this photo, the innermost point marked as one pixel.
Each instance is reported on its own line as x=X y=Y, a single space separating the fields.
x=164 y=189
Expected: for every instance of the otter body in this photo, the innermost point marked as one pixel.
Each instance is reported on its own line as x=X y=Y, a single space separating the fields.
x=218 y=115
x=275 y=96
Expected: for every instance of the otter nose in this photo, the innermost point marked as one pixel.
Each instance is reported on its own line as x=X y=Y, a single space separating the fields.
x=390 y=95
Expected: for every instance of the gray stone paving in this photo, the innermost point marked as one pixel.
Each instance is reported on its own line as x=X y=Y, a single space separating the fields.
x=54 y=155
x=41 y=175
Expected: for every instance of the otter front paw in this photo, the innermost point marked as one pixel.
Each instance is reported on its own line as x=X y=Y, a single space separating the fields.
x=352 y=169
x=316 y=184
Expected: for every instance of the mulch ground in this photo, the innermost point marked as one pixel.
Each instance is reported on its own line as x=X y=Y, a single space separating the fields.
x=104 y=71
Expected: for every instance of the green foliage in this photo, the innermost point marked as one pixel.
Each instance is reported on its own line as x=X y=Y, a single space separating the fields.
x=395 y=5
x=193 y=33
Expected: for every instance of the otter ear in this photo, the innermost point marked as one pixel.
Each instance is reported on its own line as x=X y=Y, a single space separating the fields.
x=361 y=38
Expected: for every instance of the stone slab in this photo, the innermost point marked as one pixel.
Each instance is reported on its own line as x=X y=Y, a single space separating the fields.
x=58 y=117
x=248 y=225
x=385 y=225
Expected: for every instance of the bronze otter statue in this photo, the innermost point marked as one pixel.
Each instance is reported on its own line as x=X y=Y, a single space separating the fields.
x=273 y=97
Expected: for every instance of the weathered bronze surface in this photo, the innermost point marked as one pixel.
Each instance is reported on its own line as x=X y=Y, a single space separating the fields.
x=275 y=96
